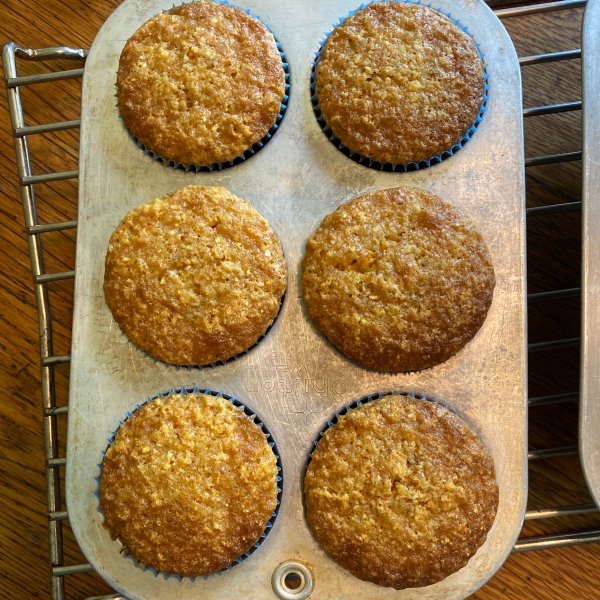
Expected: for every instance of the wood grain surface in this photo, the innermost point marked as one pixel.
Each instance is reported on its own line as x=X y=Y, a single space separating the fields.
x=554 y=254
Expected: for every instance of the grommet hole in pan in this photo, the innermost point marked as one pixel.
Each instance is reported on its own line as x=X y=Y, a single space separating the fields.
x=292 y=580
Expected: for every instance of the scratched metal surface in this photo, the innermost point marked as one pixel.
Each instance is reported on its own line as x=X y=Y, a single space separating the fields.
x=294 y=379
x=589 y=410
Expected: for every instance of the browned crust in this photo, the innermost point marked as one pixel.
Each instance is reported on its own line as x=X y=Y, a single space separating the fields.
x=398 y=280
x=188 y=484
x=194 y=277
x=401 y=492
x=399 y=83
x=200 y=84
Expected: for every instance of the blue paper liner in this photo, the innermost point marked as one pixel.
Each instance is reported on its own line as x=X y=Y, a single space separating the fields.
x=257 y=145
x=412 y=166
x=217 y=363
x=268 y=526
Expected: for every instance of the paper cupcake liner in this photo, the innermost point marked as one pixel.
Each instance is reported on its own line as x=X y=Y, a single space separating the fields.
x=411 y=166
x=256 y=146
x=365 y=400
x=217 y=363
x=268 y=526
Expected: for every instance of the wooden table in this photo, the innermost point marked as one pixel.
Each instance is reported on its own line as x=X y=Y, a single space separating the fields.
x=553 y=263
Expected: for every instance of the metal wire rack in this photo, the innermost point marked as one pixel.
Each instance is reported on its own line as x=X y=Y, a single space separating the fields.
x=51 y=412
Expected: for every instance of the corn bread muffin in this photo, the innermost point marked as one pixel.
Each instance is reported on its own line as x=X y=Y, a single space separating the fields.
x=200 y=84
x=401 y=492
x=188 y=484
x=194 y=277
x=398 y=280
x=399 y=83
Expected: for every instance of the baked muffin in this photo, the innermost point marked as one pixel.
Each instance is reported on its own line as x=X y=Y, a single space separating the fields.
x=200 y=84
x=194 y=277
x=401 y=492
x=398 y=280
x=399 y=83
x=188 y=484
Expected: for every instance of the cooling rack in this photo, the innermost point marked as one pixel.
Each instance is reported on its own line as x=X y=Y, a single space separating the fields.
x=35 y=234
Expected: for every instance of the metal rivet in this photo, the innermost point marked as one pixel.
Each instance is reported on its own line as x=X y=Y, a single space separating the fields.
x=293 y=571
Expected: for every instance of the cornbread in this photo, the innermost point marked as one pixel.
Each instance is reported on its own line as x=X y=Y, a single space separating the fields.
x=188 y=484
x=194 y=277
x=200 y=84
x=401 y=492
x=398 y=280
x=399 y=82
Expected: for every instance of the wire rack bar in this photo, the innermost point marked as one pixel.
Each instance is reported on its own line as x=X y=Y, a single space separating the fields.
x=561 y=511
x=554 y=295
x=551 y=57
x=50 y=361
x=551 y=159
x=552 y=108
x=553 y=345
x=54 y=53
x=56 y=514
x=35 y=229
x=554 y=399
x=56 y=410
x=537 y=211
x=521 y=11
x=48 y=177
x=552 y=452
x=45 y=78
x=47 y=128
x=547 y=542
x=71 y=570
x=48 y=277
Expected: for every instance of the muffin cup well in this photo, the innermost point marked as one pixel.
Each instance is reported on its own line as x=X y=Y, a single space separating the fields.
x=411 y=166
x=271 y=443
x=389 y=462
x=248 y=152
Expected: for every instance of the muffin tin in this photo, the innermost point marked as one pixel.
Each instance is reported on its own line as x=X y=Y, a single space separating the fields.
x=589 y=407
x=294 y=378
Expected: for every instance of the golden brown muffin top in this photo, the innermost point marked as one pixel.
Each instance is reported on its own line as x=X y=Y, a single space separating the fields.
x=200 y=84
x=398 y=280
x=188 y=484
x=399 y=82
x=194 y=277
x=401 y=492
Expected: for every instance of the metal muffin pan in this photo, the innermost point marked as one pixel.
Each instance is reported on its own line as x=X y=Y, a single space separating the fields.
x=589 y=406
x=294 y=378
